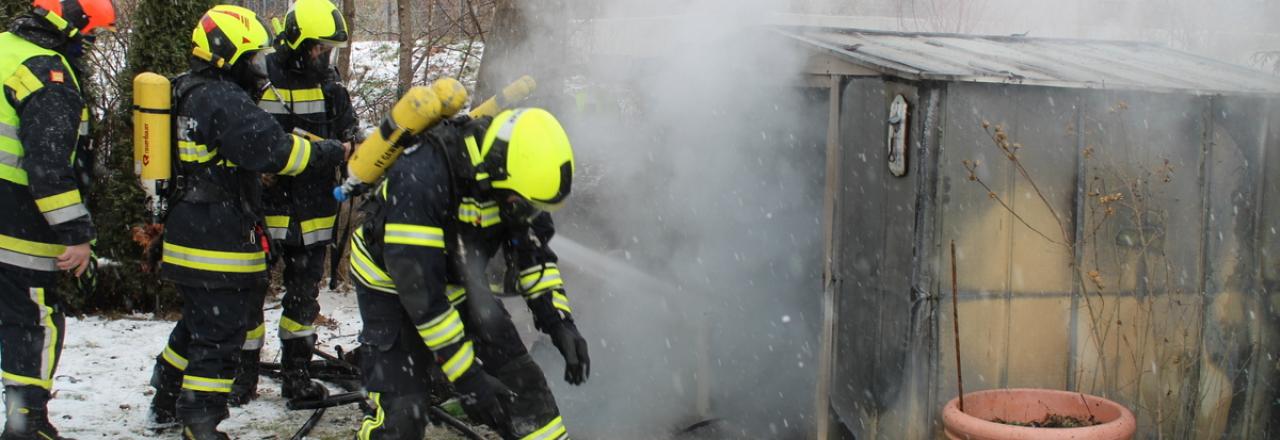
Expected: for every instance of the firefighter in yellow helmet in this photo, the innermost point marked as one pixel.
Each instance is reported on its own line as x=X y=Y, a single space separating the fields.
x=303 y=93
x=215 y=245
x=44 y=129
x=470 y=189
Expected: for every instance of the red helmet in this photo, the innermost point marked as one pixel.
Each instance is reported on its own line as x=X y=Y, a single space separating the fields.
x=78 y=17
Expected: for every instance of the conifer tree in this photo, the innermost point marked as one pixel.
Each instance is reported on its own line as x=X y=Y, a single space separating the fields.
x=159 y=42
x=10 y=9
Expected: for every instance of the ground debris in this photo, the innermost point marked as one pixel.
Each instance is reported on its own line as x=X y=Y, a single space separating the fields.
x=1052 y=421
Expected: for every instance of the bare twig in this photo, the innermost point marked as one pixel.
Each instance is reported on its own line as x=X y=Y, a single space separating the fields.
x=973 y=175
x=1086 y=406
x=955 y=322
x=1001 y=139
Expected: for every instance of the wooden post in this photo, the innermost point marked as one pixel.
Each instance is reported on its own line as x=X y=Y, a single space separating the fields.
x=702 y=401
x=830 y=201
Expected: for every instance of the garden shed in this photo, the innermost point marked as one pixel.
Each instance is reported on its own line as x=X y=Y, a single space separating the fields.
x=1115 y=209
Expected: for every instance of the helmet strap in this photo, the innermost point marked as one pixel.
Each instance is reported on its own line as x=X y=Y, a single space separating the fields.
x=495 y=162
x=205 y=55
x=58 y=22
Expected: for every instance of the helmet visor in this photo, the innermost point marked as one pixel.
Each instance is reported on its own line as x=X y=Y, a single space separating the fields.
x=546 y=207
x=257 y=62
x=332 y=44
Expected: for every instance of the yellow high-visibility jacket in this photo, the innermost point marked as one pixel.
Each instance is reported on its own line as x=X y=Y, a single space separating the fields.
x=42 y=119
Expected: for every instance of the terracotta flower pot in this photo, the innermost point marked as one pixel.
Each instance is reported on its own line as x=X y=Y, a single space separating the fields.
x=1030 y=404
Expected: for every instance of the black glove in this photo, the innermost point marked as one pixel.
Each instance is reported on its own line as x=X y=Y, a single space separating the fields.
x=577 y=365
x=326 y=153
x=484 y=399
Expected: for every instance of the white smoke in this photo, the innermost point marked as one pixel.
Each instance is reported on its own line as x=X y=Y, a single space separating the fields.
x=693 y=238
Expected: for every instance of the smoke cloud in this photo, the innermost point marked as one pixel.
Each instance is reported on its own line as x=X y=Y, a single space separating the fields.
x=692 y=244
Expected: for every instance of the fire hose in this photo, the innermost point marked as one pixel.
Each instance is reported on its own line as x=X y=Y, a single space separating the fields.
x=338 y=371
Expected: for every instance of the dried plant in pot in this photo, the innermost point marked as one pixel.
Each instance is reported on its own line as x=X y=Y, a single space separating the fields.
x=1048 y=414
x=1016 y=414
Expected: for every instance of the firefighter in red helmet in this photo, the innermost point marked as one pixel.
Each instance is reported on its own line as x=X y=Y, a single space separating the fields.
x=47 y=229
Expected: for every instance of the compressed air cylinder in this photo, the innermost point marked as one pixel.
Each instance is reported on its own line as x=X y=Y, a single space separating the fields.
x=511 y=94
x=152 y=131
x=416 y=111
x=452 y=95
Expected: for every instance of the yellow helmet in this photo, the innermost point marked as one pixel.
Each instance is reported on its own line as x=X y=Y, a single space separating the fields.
x=527 y=152
x=226 y=33
x=317 y=20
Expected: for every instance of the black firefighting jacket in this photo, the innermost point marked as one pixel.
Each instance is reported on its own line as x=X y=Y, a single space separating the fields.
x=301 y=210
x=213 y=234
x=430 y=235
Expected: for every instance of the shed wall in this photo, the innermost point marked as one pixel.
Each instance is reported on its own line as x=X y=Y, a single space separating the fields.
x=1129 y=251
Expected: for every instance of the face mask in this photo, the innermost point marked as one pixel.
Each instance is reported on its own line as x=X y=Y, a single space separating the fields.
x=519 y=211
x=319 y=64
x=258 y=65
x=77 y=47
x=251 y=74
x=318 y=67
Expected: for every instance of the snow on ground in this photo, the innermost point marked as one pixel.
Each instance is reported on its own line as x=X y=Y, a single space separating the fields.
x=102 y=391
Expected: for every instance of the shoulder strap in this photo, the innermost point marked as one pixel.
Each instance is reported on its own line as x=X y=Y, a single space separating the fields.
x=184 y=84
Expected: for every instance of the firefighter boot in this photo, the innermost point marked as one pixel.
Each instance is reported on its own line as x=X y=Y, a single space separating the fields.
x=203 y=431
x=295 y=358
x=167 y=381
x=26 y=416
x=534 y=407
x=245 y=388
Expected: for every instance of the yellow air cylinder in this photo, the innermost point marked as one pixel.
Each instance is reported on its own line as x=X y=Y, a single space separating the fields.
x=452 y=95
x=152 y=132
x=511 y=95
x=416 y=111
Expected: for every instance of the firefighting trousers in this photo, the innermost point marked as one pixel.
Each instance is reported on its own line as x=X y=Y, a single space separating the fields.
x=205 y=346
x=396 y=368
x=303 y=269
x=31 y=335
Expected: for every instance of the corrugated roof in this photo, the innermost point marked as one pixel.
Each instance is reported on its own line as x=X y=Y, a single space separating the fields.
x=1036 y=61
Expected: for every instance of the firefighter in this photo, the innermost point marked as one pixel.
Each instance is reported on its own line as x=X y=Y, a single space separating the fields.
x=215 y=247
x=300 y=210
x=46 y=229
x=468 y=190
